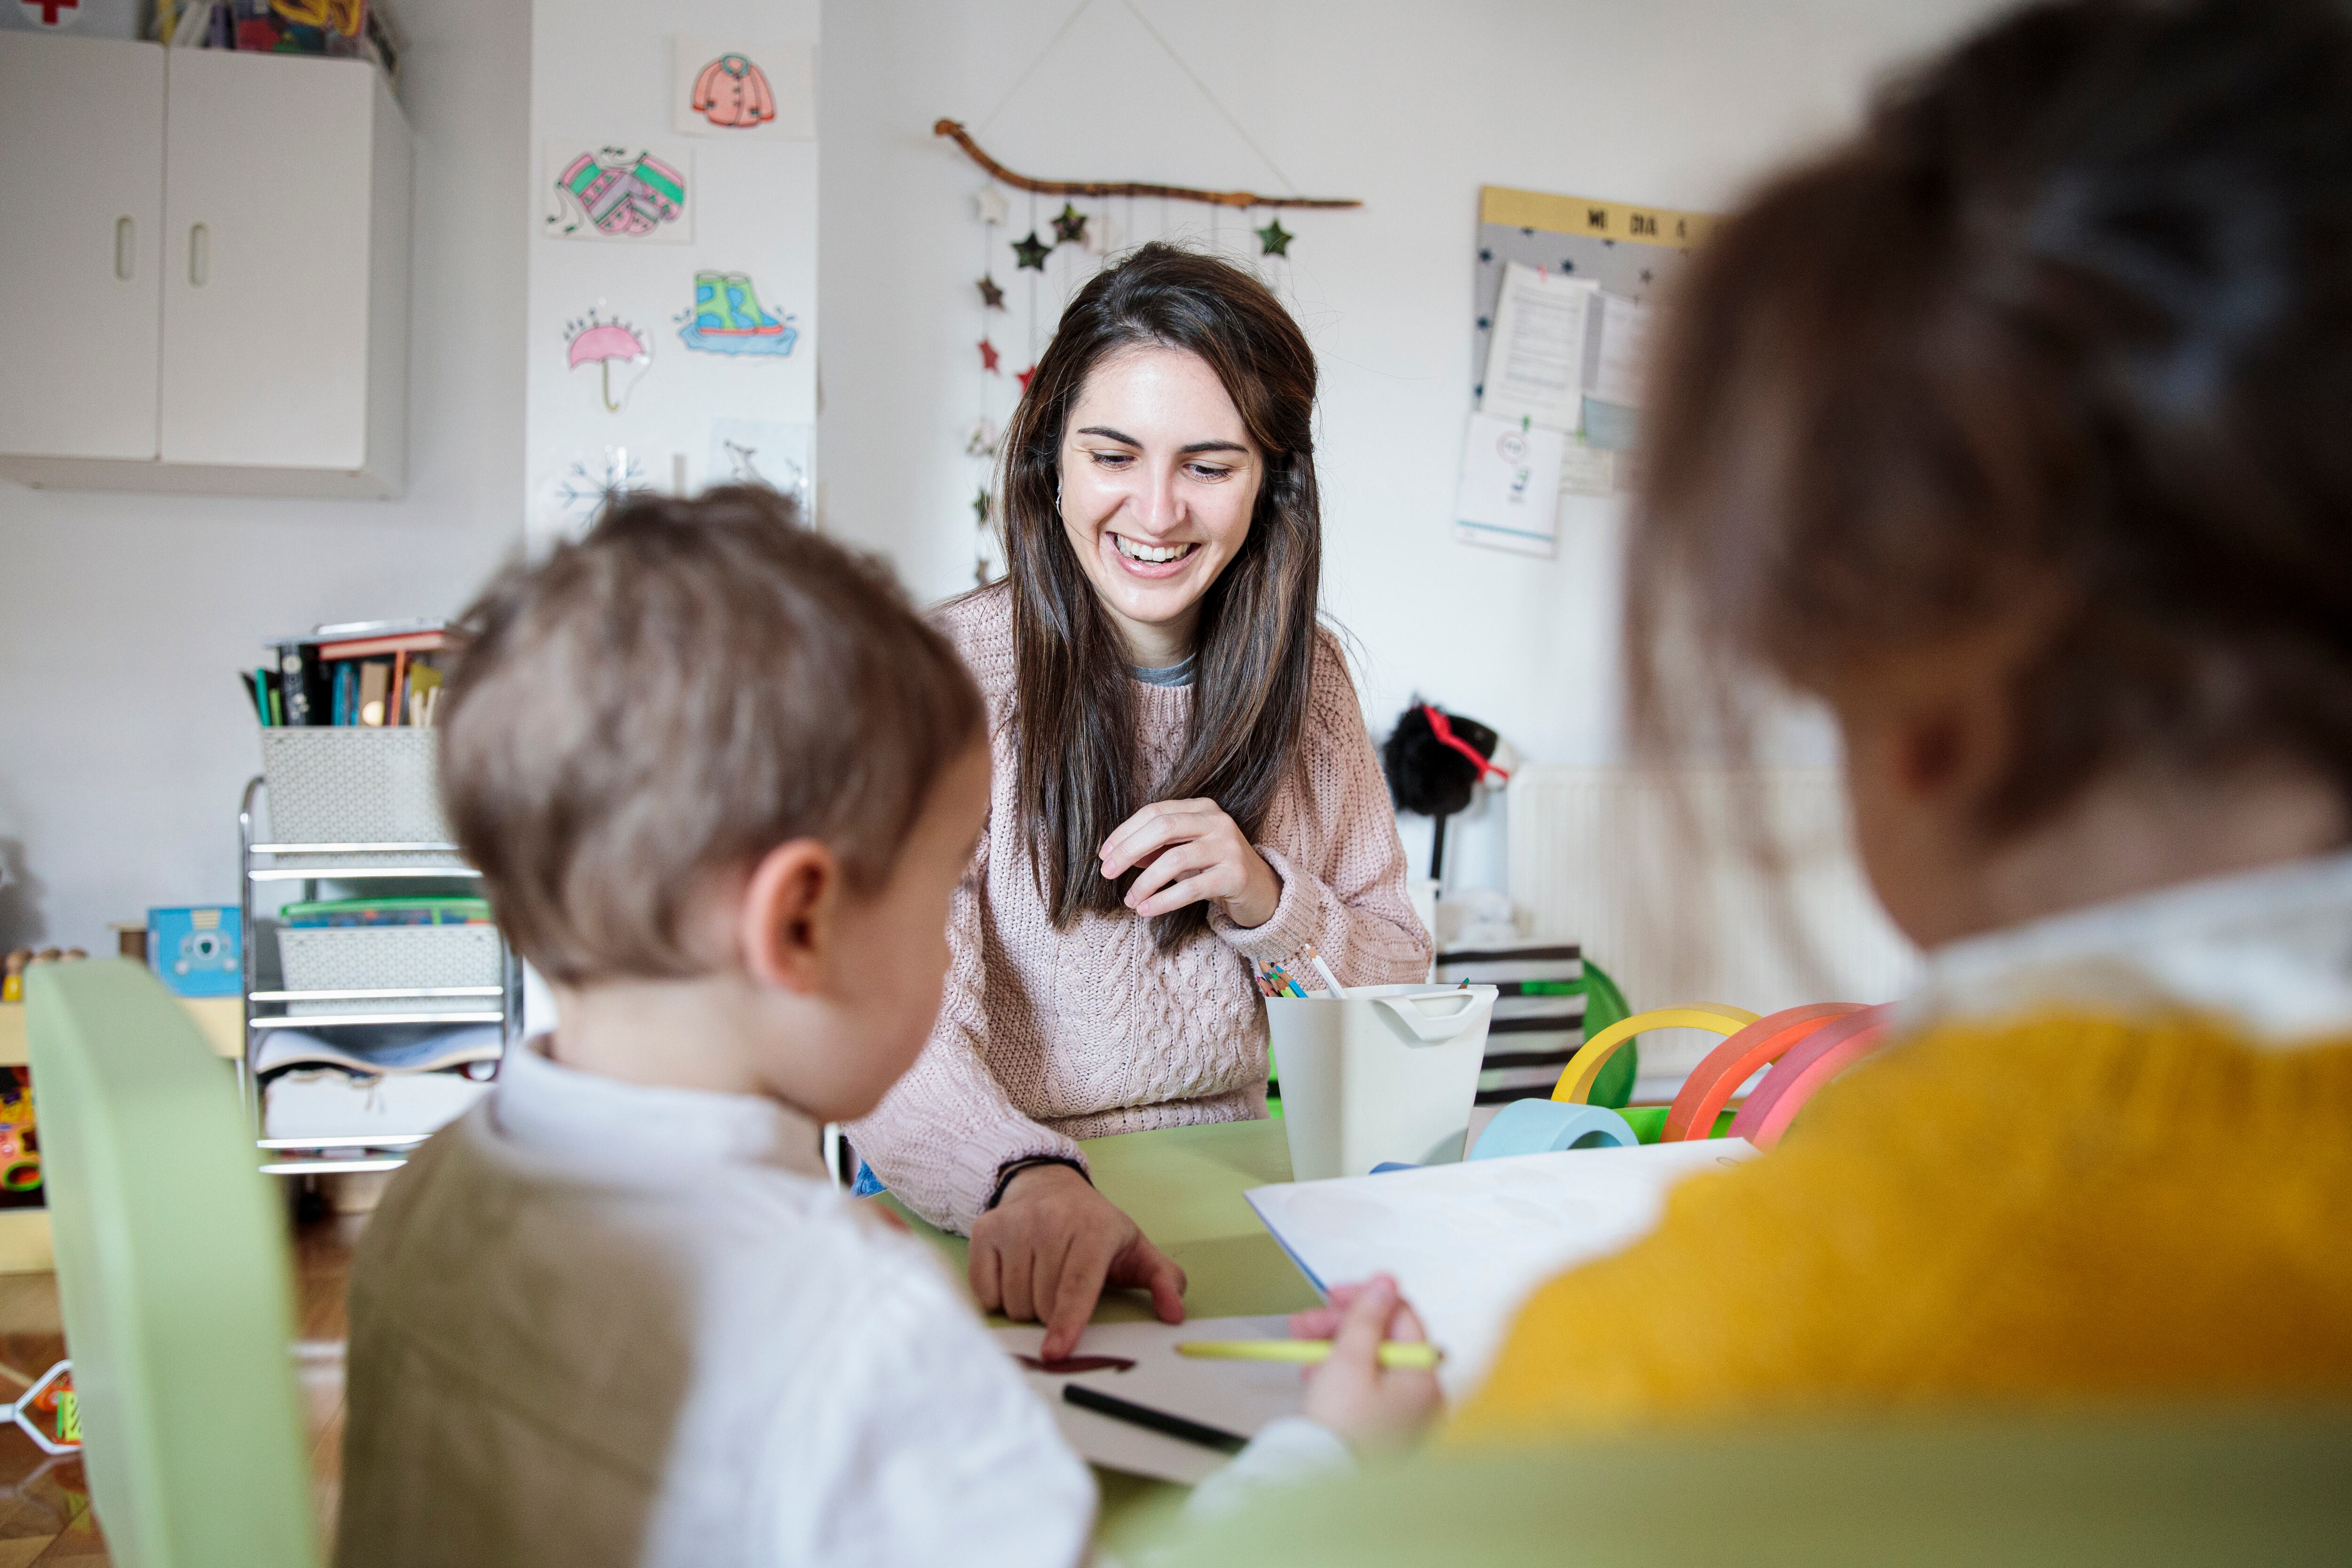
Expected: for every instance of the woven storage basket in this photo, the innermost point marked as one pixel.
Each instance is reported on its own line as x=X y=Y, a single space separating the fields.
x=353 y=786
x=391 y=957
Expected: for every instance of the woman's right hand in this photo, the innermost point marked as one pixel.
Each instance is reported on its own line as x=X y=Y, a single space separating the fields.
x=1050 y=1247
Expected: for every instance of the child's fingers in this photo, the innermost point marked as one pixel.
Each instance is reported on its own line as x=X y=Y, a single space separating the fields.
x=1406 y=1325
x=1321 y=1322
x=1364 y=1325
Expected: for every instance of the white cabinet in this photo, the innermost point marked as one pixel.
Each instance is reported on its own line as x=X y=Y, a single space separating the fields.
x=205 y=270
x=81 y=226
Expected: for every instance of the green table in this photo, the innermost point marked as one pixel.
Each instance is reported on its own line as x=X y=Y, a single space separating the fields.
x=1185 y=1187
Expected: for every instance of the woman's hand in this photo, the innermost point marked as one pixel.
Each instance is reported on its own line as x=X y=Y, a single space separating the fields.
x=1050 y=1247
x=1377 y=1409
x=1191 y=851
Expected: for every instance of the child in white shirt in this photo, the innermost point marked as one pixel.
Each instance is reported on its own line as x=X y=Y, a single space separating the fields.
x=719 y=781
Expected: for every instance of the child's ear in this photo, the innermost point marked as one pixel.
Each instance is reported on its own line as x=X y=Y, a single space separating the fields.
x=790 y=905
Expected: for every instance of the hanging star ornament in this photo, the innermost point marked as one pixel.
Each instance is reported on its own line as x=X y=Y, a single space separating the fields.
x=1031 y=252
x=1276 y=238
x=988 y=205
x=1069 y=225
x=979 y=507
x=982 y=439
x=1023 y=377
x=991 y=295
x=987 y=356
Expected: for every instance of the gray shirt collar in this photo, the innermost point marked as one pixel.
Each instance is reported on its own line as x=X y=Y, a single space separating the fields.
x=1177 y=675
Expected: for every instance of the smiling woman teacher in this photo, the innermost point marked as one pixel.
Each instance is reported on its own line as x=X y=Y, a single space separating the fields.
x=1183 y=785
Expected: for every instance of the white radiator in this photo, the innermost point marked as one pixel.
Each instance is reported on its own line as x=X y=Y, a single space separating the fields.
x=1660 y=893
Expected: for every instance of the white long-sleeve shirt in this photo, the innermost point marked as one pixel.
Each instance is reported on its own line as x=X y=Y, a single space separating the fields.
x=596 y=1323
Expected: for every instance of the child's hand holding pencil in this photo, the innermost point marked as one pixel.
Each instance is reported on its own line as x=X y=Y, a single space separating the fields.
x=1357 y=1391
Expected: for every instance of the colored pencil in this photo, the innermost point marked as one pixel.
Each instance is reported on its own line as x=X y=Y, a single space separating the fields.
x=1339 y=991
x=1152 y=1420
x=1396 y=1354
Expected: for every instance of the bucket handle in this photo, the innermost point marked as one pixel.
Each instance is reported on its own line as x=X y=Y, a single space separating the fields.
x=1432 y=1028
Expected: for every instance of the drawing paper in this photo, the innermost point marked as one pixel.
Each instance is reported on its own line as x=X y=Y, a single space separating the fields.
x=1469 y=1242
x=1241 y=1396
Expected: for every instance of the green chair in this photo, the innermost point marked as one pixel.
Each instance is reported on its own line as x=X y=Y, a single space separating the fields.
x=173 y=1274
x=2085 y=1491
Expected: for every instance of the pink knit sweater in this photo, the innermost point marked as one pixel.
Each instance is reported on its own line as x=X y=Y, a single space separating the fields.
x=1046 y=1036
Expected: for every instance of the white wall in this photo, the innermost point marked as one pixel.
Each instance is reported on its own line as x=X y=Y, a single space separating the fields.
x=125 y=739
x=1410 y=107
x=600 y=74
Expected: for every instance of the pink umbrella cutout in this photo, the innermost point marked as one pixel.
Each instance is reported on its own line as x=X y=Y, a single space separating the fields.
x=602 y=342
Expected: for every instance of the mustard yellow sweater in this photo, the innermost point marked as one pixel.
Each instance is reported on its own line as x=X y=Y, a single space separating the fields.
x=2067 y=1207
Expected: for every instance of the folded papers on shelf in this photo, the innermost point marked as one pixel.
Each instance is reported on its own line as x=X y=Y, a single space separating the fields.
x=433 y=1051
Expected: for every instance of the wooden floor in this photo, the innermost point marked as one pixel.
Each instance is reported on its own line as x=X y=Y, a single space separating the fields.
x=45 y=1516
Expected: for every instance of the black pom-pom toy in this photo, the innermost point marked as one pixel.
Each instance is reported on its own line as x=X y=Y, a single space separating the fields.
x=1435 y=761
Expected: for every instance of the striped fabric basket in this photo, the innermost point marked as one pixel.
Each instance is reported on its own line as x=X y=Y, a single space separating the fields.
x=1552 y=996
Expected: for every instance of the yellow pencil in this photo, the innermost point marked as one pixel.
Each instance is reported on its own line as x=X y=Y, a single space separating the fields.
x=1397 y=1355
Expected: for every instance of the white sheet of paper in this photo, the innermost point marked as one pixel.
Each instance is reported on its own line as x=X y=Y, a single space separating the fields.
x=1468 y=1242
x=1587 y=470
x=1509 y=497
x=1241 y=1396
x=1623 y=363
x=1535 y=361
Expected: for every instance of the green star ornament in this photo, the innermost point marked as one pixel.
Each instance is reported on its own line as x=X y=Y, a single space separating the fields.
x=1069 y=225
x=1276 y=238
x=1031 y=252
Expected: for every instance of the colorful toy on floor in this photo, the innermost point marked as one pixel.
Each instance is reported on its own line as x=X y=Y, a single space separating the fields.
x=20 y=1139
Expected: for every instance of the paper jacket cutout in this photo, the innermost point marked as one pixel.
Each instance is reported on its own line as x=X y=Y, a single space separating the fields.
x=728 y=319
x=732 y=91
x=624 y=199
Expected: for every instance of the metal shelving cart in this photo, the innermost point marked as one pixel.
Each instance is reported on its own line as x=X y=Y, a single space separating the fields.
x=422 y=867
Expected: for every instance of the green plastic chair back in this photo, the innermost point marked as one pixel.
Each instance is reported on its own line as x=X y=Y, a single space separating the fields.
x=2170 y=1488
x=173 y=1274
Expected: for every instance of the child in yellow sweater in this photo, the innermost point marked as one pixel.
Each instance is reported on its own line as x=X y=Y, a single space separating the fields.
x=2019 y=430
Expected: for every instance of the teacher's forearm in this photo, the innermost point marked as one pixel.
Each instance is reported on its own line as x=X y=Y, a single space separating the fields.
x=943 y=1135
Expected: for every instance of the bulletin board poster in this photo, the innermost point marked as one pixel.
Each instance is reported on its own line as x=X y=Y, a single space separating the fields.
x=1563 y=303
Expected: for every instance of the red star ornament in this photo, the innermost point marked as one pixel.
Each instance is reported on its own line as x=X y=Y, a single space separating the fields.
x=1023 y=377
x=988 y=356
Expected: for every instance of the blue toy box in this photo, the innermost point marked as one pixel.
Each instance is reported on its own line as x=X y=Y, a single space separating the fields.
x=195 y=950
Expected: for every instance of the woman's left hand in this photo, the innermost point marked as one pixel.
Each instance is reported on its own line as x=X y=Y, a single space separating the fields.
x=1191 y=851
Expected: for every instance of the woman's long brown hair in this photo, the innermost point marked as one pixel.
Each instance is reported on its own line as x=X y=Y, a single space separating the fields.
x=1074 y=708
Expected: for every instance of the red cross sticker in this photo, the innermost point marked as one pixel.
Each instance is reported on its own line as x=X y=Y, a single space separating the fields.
x=50 y=9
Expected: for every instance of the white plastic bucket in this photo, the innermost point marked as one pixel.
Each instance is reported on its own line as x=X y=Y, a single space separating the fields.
x=1387 y=1075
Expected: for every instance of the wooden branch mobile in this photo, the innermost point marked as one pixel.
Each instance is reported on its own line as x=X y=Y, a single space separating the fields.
x=954 y=128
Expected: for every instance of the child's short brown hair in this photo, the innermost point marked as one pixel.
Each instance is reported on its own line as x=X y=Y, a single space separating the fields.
x=693 y=683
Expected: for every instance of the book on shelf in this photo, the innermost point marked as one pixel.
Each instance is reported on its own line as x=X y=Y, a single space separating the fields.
x=370 y=674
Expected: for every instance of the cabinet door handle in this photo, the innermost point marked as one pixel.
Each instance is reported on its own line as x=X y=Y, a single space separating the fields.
x=126 y=248
x=200 y=254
